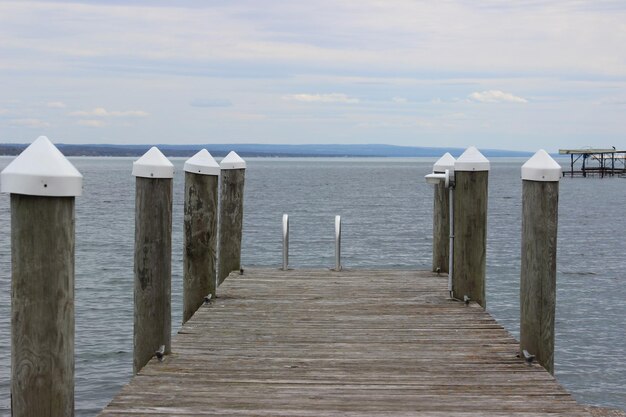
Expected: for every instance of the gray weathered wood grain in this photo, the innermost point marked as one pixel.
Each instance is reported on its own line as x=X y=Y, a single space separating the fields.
x=470 y=231
x=42 y=306
x=230 y=221
x=153 y=268
x=540 y=203
x=441 y=228
x=200 y=240
x=355 y=343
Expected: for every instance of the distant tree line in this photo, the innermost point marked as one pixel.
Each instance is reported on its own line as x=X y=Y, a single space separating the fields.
x=251 y=150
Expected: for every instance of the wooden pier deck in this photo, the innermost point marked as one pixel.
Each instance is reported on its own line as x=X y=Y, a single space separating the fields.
x=350 y=343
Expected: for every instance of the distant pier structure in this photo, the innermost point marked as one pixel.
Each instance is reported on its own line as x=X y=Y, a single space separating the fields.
x=600 y=162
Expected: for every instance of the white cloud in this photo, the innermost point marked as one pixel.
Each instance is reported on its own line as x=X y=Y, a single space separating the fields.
x=496 y=96
x=457 y=116
x=400 y=100
x=34 y=123
x=91 y=123
x=481 y=36
x=322 y=98
x=167 y=52
x=102 y=112
x=55 y=105
x=615 y=101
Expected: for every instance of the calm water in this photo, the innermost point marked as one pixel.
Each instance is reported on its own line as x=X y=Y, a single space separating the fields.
x=386 y=209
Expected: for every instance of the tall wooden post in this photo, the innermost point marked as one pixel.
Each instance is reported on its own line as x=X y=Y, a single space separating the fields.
x=540 y=201
x=231 y=214
x=441 y=215
x=200 y=231
x=153 y=256
x=43 y=186
x=471 y=174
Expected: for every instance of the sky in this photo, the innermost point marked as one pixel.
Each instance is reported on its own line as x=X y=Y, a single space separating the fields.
x=518 y=75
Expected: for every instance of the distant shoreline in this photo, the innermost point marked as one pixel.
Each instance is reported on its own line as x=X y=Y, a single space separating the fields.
x=260 y=150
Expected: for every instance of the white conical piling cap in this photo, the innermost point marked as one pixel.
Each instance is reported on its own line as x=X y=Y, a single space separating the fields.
x=42 y=170
x=153 y=164
x=541 y=167
x=233 y=161
x=202 y=163
x=445 y=162
x=472 y=160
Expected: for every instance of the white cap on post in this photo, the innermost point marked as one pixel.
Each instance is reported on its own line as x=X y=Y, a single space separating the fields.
x=233 y=161
x=541 y=167
x=446 y=162
x=153 y=164
x=202 y=163
x=472 y=160
x=42 y=170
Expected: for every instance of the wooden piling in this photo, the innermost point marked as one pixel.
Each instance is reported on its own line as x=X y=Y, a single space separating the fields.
x=471 y=173
x=200 y=231
x=540 y=199
x=43 y=187
x=233 y=172
x=441 y=228
x=153 y=252
x=441 y=216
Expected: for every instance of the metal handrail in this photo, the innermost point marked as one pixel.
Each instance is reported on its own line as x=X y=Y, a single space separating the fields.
x=285 y=242
x=338 y=266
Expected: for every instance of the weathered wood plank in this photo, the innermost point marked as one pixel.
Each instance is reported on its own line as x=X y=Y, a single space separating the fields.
x=355 y=343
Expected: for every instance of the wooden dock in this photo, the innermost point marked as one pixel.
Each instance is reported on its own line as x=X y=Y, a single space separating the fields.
x=595 y=162
x=350 y=343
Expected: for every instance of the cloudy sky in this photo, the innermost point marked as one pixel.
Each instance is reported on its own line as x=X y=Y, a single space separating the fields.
x=493 y=73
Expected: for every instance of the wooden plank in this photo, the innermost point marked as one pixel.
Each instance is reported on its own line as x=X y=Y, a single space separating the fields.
x=354 y=343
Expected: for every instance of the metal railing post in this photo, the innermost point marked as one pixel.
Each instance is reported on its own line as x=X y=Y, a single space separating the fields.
x=285 y=242
x=338 y=243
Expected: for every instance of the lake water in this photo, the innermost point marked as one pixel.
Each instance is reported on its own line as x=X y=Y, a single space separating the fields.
x=386 y=209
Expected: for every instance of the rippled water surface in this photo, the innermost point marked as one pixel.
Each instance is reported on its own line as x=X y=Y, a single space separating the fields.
x=386 y=209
